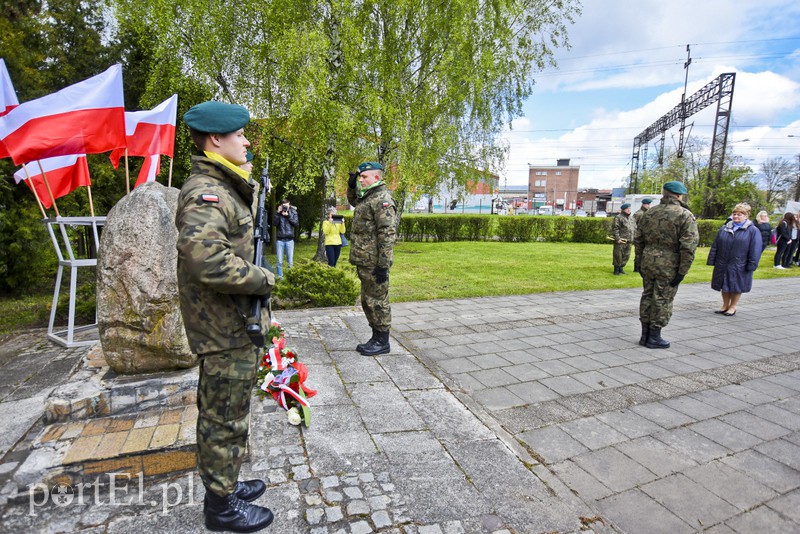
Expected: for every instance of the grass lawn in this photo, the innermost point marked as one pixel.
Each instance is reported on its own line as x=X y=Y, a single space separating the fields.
x=425 y=271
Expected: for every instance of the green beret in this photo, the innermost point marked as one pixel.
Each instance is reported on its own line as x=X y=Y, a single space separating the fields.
x=647 y=201
x=625 y=206
x=216 y=117
x=249 y=155
x=676 y=187
x=370 y=166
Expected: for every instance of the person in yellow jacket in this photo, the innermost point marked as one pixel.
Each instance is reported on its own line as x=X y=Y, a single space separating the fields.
x=332 y=229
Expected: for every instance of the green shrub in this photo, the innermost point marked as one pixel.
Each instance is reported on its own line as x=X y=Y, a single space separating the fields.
x=591 y=230
x=516 y=228
x=314 y=284
x=708 y=229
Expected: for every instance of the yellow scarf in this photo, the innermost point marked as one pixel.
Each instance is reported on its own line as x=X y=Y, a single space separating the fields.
x=235 y=168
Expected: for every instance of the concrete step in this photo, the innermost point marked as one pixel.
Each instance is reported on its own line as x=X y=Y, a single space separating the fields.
x=154 y=442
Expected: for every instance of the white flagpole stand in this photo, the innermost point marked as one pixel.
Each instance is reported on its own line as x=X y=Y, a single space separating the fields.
x=66 y=337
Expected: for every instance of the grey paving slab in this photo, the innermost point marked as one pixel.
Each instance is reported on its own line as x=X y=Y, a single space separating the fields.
x=531 y=392
x=777 y=415
x=492 y=378
x=694 y=408
x=499 y=398
x=582 y=483
x=787 y=505
x=763 y=520
x=552 y=444
x=656 y=456
x=690 y=501
x=693 y=445
x=635 y=511
x=754 y=425
x=565 y=385
x=731 y=485
x=593 y=433
x=596 y=380
x=782 y=450
x=726 y=435
x=662 y=415
x=765 y=469
x=614 y=469
x=720 y=400
x=629 y=423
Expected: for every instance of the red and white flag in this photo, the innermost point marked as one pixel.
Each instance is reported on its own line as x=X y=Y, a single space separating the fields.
x=149 y=133
x=85 y=118
x=64 y=174
x=8 y=99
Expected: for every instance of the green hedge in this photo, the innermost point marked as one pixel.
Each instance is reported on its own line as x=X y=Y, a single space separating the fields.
x=518 y=228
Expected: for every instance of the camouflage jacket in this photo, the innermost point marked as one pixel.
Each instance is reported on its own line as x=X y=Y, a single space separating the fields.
x=666 y=238
x=623 y=228
x=373 y=232
x=638 y=215
x=216 y=274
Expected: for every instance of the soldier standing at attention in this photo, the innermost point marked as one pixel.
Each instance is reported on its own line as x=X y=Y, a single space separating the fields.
x=645 y=206
x=636 y=218
x=623 y=237
x=667 y=237
x=372 y=237
x=216 y=282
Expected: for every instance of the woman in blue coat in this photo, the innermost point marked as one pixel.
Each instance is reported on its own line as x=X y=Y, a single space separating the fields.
x=734 y=255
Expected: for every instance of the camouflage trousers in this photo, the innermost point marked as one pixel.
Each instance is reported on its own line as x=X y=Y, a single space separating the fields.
x=223 y=419
x=655 y=308
x=622 y=253
x=375 y=300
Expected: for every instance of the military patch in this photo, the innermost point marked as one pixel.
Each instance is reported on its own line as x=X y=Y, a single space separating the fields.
x=385 y=204
x=210 y=198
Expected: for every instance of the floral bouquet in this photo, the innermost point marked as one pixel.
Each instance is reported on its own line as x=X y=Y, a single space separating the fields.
x=283 y=377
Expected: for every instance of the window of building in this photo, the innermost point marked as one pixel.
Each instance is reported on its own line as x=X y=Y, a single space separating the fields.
x=558 y=173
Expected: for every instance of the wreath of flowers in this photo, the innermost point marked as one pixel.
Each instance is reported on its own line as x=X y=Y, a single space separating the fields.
x=282 y=376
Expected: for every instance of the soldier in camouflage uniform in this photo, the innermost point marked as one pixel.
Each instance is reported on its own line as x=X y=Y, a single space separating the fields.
x=372 y=237
x=666 y=238
x=216 y=281
x=638 y=217
x=622 y=232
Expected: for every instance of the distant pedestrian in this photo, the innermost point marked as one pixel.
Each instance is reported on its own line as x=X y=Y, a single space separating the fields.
x=372 y=236
x=622 y=232
x=786 y=234
x=667 y=237
x=763 y=225
x=333 y=229
x=734 y=254
x=285 y=222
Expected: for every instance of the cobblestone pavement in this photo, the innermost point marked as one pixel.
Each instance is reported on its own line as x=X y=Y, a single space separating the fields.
x=535 y=413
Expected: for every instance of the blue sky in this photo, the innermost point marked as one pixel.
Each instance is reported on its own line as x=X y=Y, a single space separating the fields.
x=625 y=70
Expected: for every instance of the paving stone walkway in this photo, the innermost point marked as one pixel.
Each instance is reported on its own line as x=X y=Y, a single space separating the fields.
x=535 y=413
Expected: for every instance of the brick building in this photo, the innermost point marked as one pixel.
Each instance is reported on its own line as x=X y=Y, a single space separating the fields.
x=555 y=186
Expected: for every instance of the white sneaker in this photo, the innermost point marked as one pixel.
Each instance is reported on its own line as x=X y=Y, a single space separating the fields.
x=779 y=267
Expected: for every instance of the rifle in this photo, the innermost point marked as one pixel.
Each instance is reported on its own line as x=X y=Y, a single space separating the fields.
x=254 y=328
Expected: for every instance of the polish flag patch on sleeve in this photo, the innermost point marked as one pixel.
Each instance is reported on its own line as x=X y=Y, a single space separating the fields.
x=210 y=198
x=385 y=204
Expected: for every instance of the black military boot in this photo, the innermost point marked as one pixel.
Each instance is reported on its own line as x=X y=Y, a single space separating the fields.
x=654 y=340
x=380 y=345
x=232 y=513
x=622 y=271
x=645 y=333
x=361 y=346
x=249 y=491
x=617 y=270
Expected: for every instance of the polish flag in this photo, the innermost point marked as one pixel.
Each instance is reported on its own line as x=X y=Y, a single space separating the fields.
x=64 y=174
x=149 y=133
x=85 y=118
x=8 y=100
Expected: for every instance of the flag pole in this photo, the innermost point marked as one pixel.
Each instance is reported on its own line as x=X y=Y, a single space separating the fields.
x=91 y=205
x=127 y=173
x=47 y=184
x=33 y=188
x=169 y=179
